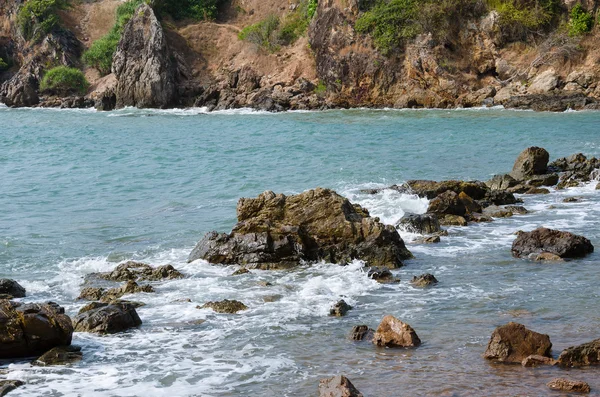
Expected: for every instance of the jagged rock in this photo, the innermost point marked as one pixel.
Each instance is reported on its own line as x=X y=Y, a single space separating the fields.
x=382 y=275
x=516 y=209
x=582 y=355
x=225 y=306
x=11 y=289
x=532 y=161
x=107 y=318
x=512 y=343
x=33 y=328
x=132 y=270
x=447 y=203
x=543 y=180
x=501 y=182
x=338 y=386
x=431 y=189
x=104 y=93
x=543 y=82
x=6 y=386
x=60 y=355
x=340 y=308
x=453 y=220
x=471 y=206
x=91 y=293
x=500 y=197
x=278 y=231
x=241 y=271
x=97 y=293
x=424 y=280
x=535 y=360
x=428 y=240
x=478 y=218
x=563 y=384
x=143 y=64
x=394 y=333
x=563 y=244
x=422 y=224
x=554 y=101
x=361 y=332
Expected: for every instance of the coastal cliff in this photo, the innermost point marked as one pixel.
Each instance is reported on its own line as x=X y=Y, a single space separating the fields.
x=303 y=54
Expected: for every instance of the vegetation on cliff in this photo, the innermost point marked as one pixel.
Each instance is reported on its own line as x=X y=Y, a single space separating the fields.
x=3 y=65
x=581 y=22
x=195 y=9
x=64 y=81
x=36 y=18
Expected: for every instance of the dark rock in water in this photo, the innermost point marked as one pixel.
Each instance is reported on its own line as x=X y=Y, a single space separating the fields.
x=563 y=244
x=361 y=332
x=11 y=289
x=61 y=355
x=447 y=203
x=543 y=180
x=31 y=329
x=554 y=101
x=424 y=280
x=575 y=167
x=241 y=271
x=107 y=318
x=422 y=224
x=340 y=308
x=453 y=220
x=370 y=191
x=532 y=161
x=471 y=206
x=338 y=386
x=547 y=256
x=278 y=231
x=581 y=356
x=512 y=343
x=516 y=209
x=563 y=384
x=501 y=182
x=428 y=240
x=96 y=293
x=497 y=212
x=394 y=333
x=478 y=218
x=431 y=189
x=6 y=386
x=571 y=200
x=135 y=271
x=535 y=361
x=537 y=190
x=91 y=293
x=225 y=306
x=382 y=275
x=143 y=64
x=501 y=197
x=519 y=189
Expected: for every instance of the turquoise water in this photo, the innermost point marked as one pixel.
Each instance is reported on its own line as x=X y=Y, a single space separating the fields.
x=82 y=191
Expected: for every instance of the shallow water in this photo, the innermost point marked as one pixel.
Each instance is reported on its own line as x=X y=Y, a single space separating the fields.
x=82 y=191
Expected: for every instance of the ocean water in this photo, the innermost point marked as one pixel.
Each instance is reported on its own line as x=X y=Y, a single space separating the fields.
x=82 y=191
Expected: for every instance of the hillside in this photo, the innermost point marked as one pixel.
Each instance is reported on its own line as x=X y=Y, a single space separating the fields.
x=279 y=55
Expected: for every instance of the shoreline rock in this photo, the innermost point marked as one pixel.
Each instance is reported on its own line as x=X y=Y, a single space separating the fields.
x=106 y=318
x=338 y=386
x=392 y=332
x=512 y=343
x=543 y=240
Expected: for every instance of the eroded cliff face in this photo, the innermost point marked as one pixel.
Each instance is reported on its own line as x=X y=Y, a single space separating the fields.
x=206 y=64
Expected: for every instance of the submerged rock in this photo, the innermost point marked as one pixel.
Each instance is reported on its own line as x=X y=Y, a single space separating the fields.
x=536 y=360
x=107 y=318
x=532 y=161
x=11 y=289
x=382 y=275
x=130 y=287
x=394 y=333
x=241 y=271
x=61 y=355
x=501 y=182
x=225 y=306
x=563 y=244
x=431 y=189
x=422 y=224
x=424 y=280
x=138 y=271
x=361 y=332
x=33 y=328
x=563 y=384
x=453 y=220
x=278 y=231
x=428 y=240
x=582 y=355
x=6 y=386
x=512 y=343
x=340 y=308
x=338 y=386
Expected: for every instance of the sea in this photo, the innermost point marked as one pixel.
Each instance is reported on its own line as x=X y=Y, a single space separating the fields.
x=82 y=191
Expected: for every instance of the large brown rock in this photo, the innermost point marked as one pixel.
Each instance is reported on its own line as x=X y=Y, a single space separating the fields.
x=338 y=386
x=512 y=343
x=563 y=384
x=540 y=240
x=105 y=318
x=143 y=64
x=423 y=224
x=531 y=161
x=582 y=355
x=11 y=289
x=277 y=231
x=394 y=333
x=447 y=203
x=32 y=329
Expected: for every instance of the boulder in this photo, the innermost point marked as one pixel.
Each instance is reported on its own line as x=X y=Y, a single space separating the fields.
x=340 y=308
x=582 y=355
x=382 y=275
x=517 y=209
x=471 y=206
x=431 y=189
x=136 y=271
x=543 y=180
x=497 y=212
x=562 y=384
x=532 y=161
x=361 y=332
x=537 y=190
x=447 y=203
x=225 y=306
x=422 y=224
x=563 y=244
x=60 y=355
x=32 y=329
x=278 y=231
x=6 y=386
x=142 y=63
x=512 y=343
x=107 y=318
x=453 y=220
x=536 y=360
x=500 y=197
x=543 y=82
x=424 y=280
x=394 y=333
x=501 y=182
x=11 y=289
x=338 y=386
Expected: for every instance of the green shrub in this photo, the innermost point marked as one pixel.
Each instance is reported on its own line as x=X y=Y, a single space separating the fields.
x=195 y=9
x=63 y=80
x=520 y=18
x=36 y=18
x=3 y=65
x=101 y=52
x=295 y=23
x=262 y=33
x=581 y=22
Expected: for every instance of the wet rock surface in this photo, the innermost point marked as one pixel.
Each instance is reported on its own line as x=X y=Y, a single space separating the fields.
x=138 y=271
x=563 y=384
x=382 y=275
x=512 y=343
x=107 y=318
x=532 y=161
x=543 y=240
x=225 y=306
x=361 y=332
x=392 y=332
x=338 y=386
x=11 y=289
x=108 y=295
x=6 y=386
x=537 y=360
x=424 y=280
x=422 y=224
x=278 y=231
x=582 y=355
x=340 y=308
x=61 y=355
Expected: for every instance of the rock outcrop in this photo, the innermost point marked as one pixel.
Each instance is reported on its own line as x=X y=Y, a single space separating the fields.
x=532 y=161
x=32 y=329
x=60 y=355
x=394 y=333
x=278 y=231
x=138 y=271
x=338 y=386
x=563 y=384
x=11 y=289
x=143 y=64
x=105 y=318
x=422 y=224
x=543 y=240
x=582 y=355
x=512 y=343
